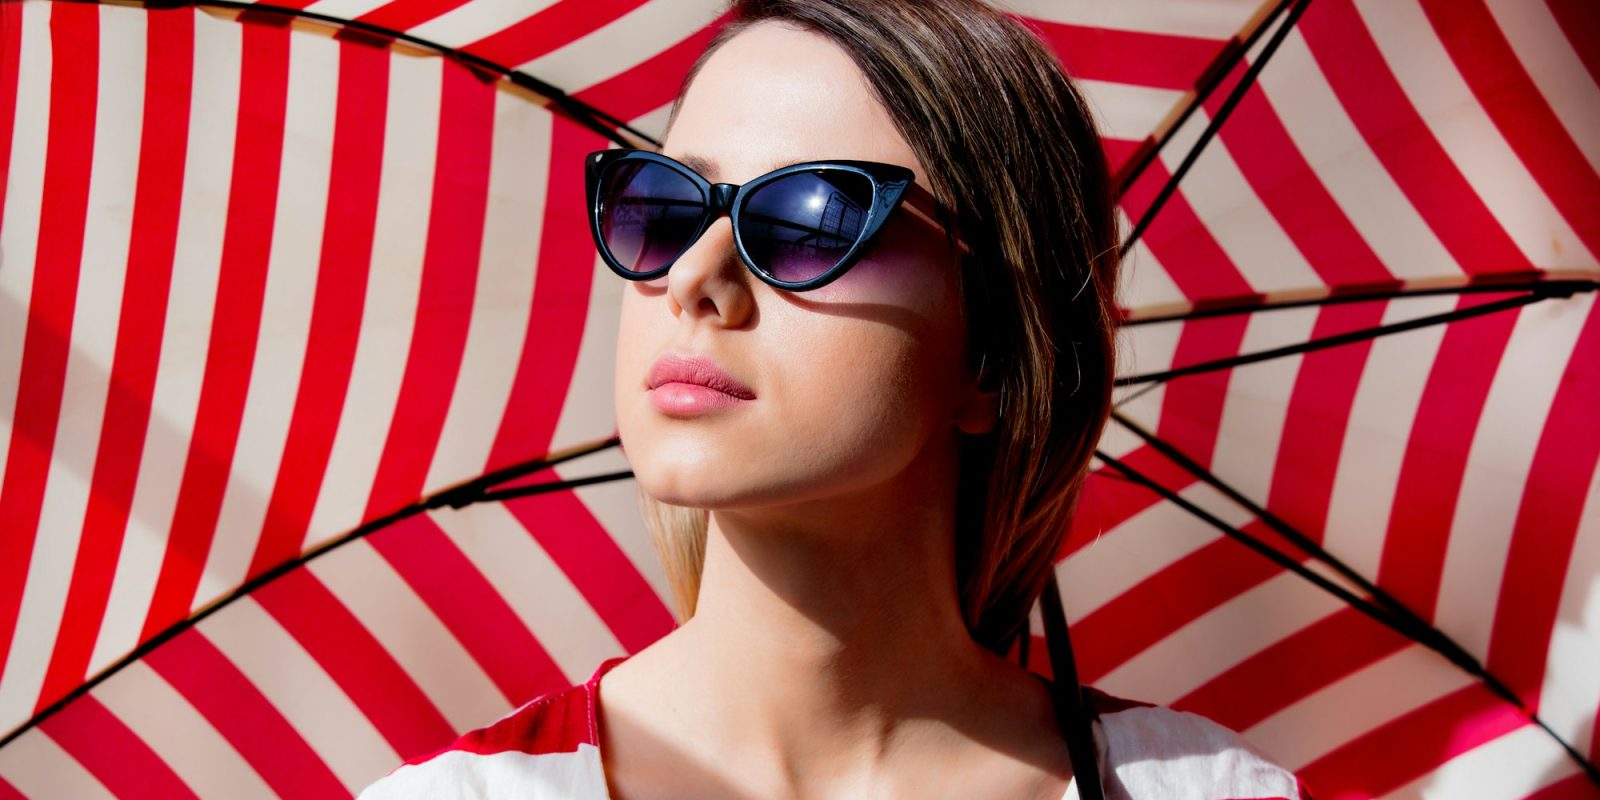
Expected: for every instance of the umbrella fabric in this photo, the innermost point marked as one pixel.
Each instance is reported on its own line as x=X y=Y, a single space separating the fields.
x=265 y=284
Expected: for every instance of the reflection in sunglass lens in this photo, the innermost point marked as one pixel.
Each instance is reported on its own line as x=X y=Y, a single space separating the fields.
x=649 y=213
x=799 y=226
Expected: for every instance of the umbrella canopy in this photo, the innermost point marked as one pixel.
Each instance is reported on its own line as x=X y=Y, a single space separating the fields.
x=270 y=275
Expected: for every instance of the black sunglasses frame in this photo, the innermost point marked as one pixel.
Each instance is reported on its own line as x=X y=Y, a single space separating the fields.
x=891 y=184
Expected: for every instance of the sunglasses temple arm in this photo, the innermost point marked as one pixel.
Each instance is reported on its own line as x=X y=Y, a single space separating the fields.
x=923 y=206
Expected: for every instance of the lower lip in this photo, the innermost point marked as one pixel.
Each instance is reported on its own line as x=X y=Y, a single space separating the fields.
x=689 y=398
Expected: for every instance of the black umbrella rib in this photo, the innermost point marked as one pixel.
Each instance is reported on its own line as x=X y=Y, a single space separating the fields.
x=458 y=496
x=587 y=115
x=1228 y=104
x=1335 y=341
x=1388 y=611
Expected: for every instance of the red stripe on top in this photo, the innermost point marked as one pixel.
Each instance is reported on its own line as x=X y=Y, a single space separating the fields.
x=1160 y=60
x=560 y=305
x=1311 y=444
x=403 y=15
x=1401 y=140
x=1294 y=193
x=606 y=577
x=652 y=83
x=1435 y=460
x=63 y=209
x=1175 y=596
x=237 y=709
x=1405 y=748
x=1191 y=411
x=1573 y=787
x=355 y=660
x=1580 y=21
x=549 y=29
x=1546 y=527
x=7 y=791
x=472 y=609
x=1512 y=99
x=343 y=269
x=111 y=752
x=1293 y=668
x=164 y=141
x=236 y=323
x=450 y=261
x=10 y=69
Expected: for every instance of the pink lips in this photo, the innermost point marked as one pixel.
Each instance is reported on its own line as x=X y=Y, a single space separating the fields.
x=692 y=385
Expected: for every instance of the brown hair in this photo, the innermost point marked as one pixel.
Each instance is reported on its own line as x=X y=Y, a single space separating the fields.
x=1012 y=151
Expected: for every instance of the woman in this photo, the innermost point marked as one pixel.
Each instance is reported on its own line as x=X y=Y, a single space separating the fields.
x=859 y=426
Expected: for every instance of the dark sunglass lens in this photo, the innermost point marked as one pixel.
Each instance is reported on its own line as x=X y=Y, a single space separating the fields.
x=648 y=214
x=799 y=226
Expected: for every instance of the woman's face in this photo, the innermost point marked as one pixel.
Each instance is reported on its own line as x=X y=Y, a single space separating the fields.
x=853 y=381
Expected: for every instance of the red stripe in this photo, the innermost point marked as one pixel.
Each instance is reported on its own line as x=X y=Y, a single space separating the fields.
x=1580 y=21
x=1512 y=99
x=470 y=607
x=356 y=661
x=560 y=305
x=652 y=83
x=1573 y=787
x=1293 y=668
x=7 y=791
x=111 y=752
x=1109 y=499
x=585 y=551
x=1295 y=194
x=1160 y=60
x=1398 y=136
x=1431 y=472
x=247 y=244
x=232 y=704
x=1182 y=242
x=449 y=278
x=10 y=60
x=1546 y=529
x=1191 y=411
x=164 y=141
x=403 y=15
x=549 y=29
x=1172 y=598
x=1412 y=745
x=74 y=84
x=343 y=268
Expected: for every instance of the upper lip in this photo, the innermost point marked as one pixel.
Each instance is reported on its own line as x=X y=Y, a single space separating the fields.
x=698 y=370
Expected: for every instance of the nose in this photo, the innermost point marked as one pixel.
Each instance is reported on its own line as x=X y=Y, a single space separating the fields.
x=710 y=281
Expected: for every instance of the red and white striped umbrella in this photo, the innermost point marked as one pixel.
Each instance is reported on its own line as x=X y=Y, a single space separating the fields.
x=270 y=275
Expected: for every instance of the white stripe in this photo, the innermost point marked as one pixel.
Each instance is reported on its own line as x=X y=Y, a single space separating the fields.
x=19 y=236
x=1121 y=559
x=1548 y=56
x=1219 y=639
x=346 y=9
x=1379 y=431
x=1357 y=704
x=208 y=170
x=471 y=22
x=37 y=767
x=519 y=177
x=1256 y=405
x=1206 y=19
x=1237 y=220
x=1571 y=690
x=1509 y=767
x=423 y=646
x=389 y=310
x=542 y=596
x=119 y=109
x=630 y=40
x=287 y=300
x=1508 y=432
x=1347 y=168
x=165 y=721
x=589 y=412
x=275 y=664
x=1128 y=112
x=1142 y=281
x=653 y=123
x=615 y=504
x=1429 y=77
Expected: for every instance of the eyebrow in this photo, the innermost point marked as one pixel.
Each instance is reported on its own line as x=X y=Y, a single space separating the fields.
x=708 y=168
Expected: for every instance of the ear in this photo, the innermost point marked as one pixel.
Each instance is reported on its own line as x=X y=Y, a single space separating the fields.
x=980 y=411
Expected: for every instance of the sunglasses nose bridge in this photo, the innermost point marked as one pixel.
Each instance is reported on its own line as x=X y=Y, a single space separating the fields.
x=722 y=198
